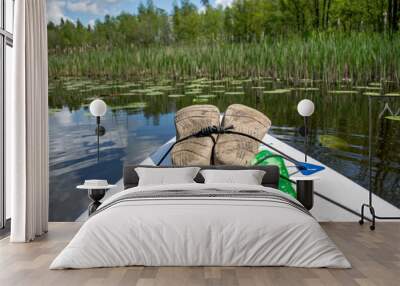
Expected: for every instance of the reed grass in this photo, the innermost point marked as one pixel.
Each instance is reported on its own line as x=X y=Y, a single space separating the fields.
x=330 y=57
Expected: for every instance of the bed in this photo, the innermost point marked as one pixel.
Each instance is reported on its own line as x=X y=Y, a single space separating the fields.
x=198 y=224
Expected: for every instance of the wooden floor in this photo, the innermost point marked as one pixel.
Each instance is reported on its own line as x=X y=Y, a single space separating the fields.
x=375 y=257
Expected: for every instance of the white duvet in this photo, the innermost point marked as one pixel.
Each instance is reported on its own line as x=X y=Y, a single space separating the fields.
x=200 y=231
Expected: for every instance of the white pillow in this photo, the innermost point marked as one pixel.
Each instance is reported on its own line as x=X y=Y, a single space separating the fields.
x=248 y=177
x=166 y=176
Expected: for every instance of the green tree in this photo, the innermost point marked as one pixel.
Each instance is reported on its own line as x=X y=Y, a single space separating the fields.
x=153 y=24
x=186 y=21
x=250 y=20
x=212 y=23
x=244 y=20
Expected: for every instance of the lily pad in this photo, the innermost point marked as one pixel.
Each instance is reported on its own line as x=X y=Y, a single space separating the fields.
x=128 y=93
x=200 y=100
x=234 y=93
x=368 y=88
x=333 y=142
x=54 y=110
x=193 y=92
x=236 y=82
x=389 y=81
x=373 y=88
x=200 y=80
x=394 y=117
x=175 y=95
x=162 y=88
x=278 y=91
x=141 y=90
x=195 y=86
x=375 y=84
x=153 y=93
x=308 y=89
x=125 y=85
x=343 y=92
x=99 y=87
x=372 y=93
x=132 y=105
x=267 y=78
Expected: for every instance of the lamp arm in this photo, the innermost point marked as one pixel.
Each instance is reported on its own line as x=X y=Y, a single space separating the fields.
x=98 y=137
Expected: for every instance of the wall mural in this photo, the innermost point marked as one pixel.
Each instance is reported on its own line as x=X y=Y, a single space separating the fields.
x=146 y=61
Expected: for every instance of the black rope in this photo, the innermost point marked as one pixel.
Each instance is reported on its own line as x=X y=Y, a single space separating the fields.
x=210 y=130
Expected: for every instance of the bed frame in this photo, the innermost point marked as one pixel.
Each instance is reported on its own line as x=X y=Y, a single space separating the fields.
x=270 y=179
x=305 y=194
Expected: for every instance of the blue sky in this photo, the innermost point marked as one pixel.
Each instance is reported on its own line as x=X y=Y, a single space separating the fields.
x=87 y=11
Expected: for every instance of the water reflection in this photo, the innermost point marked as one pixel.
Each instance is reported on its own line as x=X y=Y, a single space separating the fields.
x=141 y=118
x=129 y=137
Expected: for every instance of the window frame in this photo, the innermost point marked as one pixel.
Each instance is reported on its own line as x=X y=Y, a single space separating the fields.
x=6 y=39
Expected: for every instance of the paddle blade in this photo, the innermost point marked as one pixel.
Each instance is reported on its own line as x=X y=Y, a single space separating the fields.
x=308 y=169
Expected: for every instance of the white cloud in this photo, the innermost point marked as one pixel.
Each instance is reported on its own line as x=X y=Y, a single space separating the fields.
x=84 y=7
x=224 y=3
x=55 y=10
x=92 y=22
x=202 y=9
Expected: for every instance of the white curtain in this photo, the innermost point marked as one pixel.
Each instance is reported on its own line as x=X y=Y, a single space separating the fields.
x=27 y=124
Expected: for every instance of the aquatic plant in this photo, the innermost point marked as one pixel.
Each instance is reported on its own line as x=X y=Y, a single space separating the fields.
x=234 y=93
x=132 y=105
x=330 y=57
x=175 y=95
x=278 y=91
x=333 y=142
x=371 y=93
x=343 y=92
x=200 y=100
x=308 y=89
x=395 y=118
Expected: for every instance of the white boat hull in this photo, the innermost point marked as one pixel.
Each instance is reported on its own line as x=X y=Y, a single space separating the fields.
x=331 y=184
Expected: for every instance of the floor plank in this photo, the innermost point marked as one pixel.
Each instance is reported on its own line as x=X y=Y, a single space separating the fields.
x=375 y=257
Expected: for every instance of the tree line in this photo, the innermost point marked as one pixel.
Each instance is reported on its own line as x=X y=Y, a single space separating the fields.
x=243 y=21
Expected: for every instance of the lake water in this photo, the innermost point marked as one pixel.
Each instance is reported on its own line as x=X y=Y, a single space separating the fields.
x=140 y=118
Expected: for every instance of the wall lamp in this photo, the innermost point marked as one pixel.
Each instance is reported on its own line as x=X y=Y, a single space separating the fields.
x=306 y=109
x=98 y=108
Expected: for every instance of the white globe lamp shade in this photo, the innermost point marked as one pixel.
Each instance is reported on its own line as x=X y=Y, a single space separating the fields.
x=98 y=107
x=305 y=107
